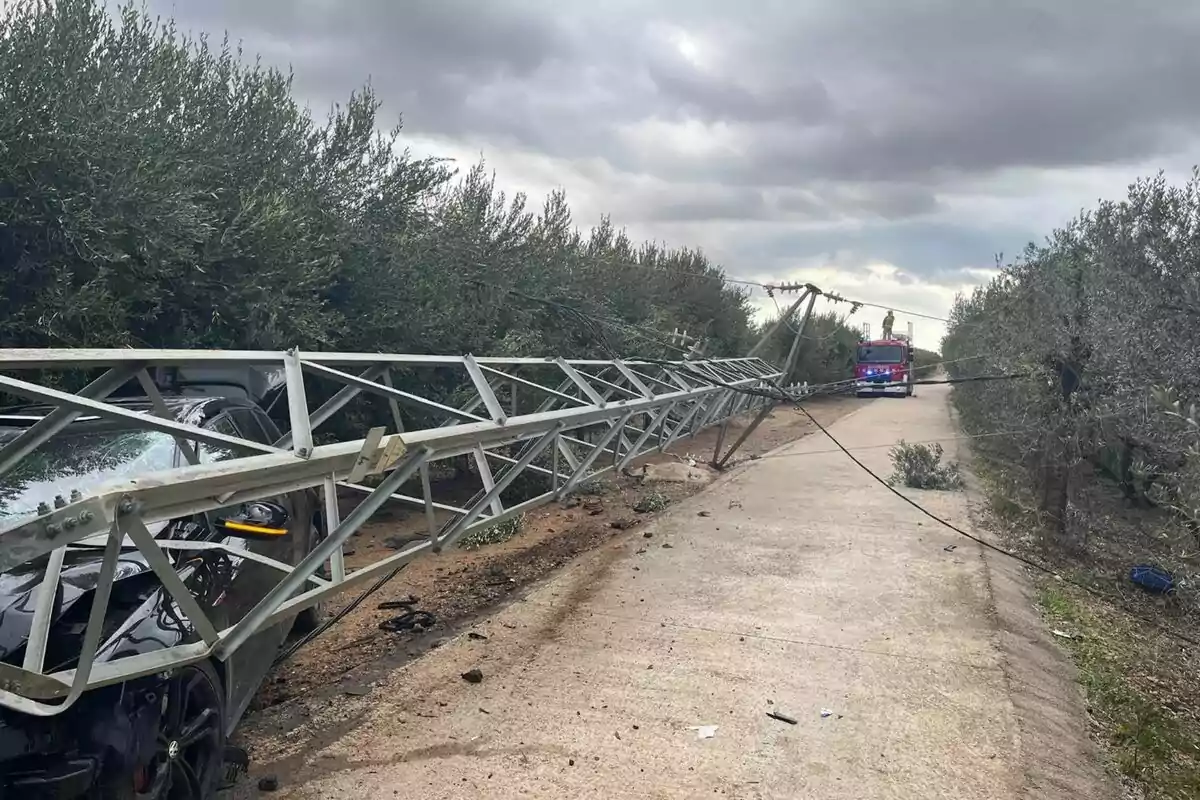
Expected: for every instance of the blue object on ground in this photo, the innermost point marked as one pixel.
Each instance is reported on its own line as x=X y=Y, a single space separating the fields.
x=1152 y=579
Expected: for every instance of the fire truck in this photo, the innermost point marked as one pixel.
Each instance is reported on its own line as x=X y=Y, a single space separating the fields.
x=884 y=366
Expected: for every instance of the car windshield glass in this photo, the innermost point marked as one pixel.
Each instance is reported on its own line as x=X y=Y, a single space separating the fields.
x=78 y=461
x=881 y=354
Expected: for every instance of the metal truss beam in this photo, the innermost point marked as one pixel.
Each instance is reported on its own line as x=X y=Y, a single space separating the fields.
x=572 y=419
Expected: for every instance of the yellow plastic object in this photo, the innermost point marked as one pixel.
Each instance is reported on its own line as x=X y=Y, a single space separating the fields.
x=242 y=527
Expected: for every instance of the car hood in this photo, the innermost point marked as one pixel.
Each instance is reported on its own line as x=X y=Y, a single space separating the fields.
x=80 y=571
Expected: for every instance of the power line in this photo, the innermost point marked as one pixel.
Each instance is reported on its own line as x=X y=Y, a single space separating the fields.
x=592 y=320
x=889 y=308
x=779 y=394
x=649 y=334
x=986 y=544
x=722 y=277
x=782 y=395
x=769 y=287
x=793 y=400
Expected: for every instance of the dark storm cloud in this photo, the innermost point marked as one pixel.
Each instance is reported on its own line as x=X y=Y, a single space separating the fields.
x=881 y=201
x=870 y=111
x=826 y=203
x=880 y=91
x=688 y=205
x=445 y=65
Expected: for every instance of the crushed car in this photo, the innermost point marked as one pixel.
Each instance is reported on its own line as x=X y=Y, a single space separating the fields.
x=165 y=735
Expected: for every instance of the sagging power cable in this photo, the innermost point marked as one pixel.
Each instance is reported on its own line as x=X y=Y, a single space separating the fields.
x=1104 y=598
x=986 y=544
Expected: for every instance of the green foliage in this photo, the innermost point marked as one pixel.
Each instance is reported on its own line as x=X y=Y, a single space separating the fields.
x=1098 y=314
x=162 y=191
x=920 y=466
x=651 y=503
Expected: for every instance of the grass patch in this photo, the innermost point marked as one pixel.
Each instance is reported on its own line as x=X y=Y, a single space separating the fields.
x=1140 y=691
x=494 y=534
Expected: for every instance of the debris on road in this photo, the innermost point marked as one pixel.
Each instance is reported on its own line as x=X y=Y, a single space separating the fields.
x=1153 y=579
x=704 y=514
x=473 y=676
x=678 y=472
x=479 y=637
x=268 y=783
x=650 y=503
x=950 y=548
x=648 y=534
x=782 y=717
x=704 y=731
x=413 y=618
x=825 y=712
x=624 y=523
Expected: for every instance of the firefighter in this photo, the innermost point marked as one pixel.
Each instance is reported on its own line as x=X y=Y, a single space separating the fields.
x=888 y=321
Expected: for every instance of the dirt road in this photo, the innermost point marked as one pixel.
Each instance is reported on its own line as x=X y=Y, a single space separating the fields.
x=648 y=668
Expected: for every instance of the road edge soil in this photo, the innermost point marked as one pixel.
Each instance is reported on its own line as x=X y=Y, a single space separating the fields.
x=1061 y=760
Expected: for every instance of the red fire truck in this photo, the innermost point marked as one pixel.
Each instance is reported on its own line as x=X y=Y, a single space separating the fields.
x=884 y=366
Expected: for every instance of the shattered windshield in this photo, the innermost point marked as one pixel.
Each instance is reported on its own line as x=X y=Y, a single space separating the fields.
x=78 y=461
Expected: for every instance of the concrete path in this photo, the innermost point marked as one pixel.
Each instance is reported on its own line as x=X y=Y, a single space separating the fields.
x=795 y=584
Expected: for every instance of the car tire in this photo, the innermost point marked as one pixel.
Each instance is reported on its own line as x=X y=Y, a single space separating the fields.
x=191 y=749
x=310 y=619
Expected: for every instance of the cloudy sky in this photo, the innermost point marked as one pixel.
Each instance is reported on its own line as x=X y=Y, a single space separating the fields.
x=885 y=149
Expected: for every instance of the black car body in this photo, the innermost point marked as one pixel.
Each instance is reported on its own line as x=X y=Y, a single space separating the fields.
x=115 y=742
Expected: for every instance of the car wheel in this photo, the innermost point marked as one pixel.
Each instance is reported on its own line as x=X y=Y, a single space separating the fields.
x=189 y=752
x=310 y=618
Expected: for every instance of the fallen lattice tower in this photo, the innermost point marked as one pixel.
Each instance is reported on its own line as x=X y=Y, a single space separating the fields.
x=558 y=420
